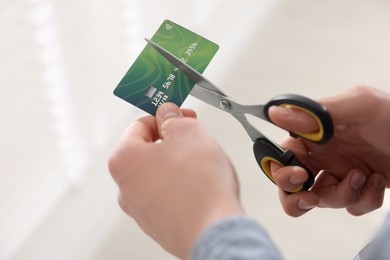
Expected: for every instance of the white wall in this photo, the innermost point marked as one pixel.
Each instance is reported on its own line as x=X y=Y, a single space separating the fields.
x=61 y=60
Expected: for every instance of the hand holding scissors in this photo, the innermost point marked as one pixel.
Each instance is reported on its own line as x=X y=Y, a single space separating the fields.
x=264 y=149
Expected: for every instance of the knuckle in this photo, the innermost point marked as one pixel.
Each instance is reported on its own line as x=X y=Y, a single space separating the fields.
x=348 y=198
x=292 y=209
x=113 y=163
x=293 y=212
x=122 y=203
x=364 y=207
x=362 y=89
x=183 y=123
x=288 y=210
x=116 y=167
x=355 y=212
x=375 y=203
x=366 y=93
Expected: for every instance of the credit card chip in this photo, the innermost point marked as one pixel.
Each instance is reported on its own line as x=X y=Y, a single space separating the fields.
x=150 y=91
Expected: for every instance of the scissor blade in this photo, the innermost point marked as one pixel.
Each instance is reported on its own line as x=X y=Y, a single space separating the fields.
x=208 y=96
x=191 y=73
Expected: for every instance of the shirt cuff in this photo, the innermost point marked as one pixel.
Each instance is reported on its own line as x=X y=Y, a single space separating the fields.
x=235 y=237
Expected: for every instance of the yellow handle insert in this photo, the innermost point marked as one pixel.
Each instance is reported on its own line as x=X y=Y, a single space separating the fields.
x=266 y=166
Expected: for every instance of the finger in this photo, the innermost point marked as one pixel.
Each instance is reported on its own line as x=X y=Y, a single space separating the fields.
x=165 y=112
x=188 y=112
x=141 y=132
x=303 y=151
x=297 y=204
x=288 y=178
x=335 y=193
x=371 y=197
x=177 y=123
x=293 y=119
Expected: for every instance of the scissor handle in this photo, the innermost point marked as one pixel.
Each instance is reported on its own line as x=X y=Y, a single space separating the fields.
x=316 y=110
x=265 y=152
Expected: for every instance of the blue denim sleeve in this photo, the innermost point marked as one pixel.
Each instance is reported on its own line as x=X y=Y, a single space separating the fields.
x=379 y=248
x=233 y=238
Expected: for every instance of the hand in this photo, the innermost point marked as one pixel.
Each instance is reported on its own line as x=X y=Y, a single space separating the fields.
x=177 y=187
x=353 y=168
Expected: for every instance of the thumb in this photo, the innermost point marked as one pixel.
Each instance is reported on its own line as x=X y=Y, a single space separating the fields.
x=164 y=113
x=293 y=119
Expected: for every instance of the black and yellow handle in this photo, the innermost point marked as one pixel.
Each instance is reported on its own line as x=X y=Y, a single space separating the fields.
x=265 y=152
x=316 y=110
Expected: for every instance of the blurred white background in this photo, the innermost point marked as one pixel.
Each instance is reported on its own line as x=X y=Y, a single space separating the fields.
x=61 y=60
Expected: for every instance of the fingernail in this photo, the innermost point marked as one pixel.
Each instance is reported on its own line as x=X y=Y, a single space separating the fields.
x=297 y=179
x=284 y=111
x=304 y=205
x=379 y=182
x=357 y=181
x=168 y=110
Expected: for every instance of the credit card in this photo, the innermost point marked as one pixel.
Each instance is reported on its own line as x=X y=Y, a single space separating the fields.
x=153 y=80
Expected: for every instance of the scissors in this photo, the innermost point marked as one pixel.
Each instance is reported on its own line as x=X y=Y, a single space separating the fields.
x=264 y=149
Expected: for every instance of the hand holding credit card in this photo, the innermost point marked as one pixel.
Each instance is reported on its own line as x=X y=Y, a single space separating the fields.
x=153 y=80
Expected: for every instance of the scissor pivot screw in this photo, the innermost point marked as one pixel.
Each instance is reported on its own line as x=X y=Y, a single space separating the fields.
x=225 y=105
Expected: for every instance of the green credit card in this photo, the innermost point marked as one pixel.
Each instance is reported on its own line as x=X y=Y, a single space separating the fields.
x=153 y=80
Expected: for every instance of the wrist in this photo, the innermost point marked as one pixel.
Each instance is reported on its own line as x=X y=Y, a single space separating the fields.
x=202 y=224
